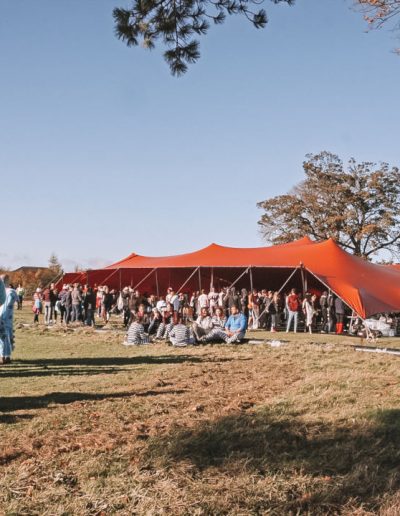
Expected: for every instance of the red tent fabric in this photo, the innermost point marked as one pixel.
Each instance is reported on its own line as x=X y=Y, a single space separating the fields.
x=365 y=287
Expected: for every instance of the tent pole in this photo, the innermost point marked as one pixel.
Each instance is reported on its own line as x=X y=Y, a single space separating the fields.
x=158 y=290
x=199 y=279
x=336 y=294
x=237 y=279
x=303 y=282
x=189 y=278
x=287 y=281
x=145 y=278
x=120 y=280
x=280 y=290
x=109 y=276
x=212 y=278
x=251 y=279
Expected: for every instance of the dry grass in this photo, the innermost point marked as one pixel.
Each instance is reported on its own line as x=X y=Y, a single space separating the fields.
x=90 y=427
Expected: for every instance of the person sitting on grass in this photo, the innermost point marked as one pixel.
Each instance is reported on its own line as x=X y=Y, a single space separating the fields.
x=218 y=322
x=169 y=319
x=136 y=334
x=155 y=321
x=203 y=324
x=181 y=335
x=235 y=327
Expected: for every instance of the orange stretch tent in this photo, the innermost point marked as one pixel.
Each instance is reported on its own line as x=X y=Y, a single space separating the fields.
x=365 y=287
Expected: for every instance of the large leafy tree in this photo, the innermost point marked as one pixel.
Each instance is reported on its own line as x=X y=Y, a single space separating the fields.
x=177 y=23
x=357 y=205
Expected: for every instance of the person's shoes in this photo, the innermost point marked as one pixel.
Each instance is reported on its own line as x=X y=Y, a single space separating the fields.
x=7 y=360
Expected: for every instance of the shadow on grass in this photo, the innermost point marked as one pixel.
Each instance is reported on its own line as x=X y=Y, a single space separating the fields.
x=13 y=418
x=344 y=464
x=14 y=403
x=93 y=365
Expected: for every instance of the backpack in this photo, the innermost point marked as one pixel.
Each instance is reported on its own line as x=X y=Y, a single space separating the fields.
x=293 y=303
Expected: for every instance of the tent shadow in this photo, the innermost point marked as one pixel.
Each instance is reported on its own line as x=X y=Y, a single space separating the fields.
x=346 y=463
x=93 y=365
x=118 y=361
x=15 y=403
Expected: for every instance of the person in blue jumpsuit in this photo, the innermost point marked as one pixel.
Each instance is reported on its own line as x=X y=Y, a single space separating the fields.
x=7 y=320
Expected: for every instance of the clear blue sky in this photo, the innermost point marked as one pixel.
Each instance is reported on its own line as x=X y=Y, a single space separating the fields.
x=103 y=152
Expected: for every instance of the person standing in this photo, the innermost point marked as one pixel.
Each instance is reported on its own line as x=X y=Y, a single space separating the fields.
x=46 y=299
x=213 y=298
x=292 y=306
x=89 y=306
x=2 y=292
x=20 y=293
x=174 y=300
x=323 y=303
x=274 y=309
x=37 y=304
x=7 y=321
x=76 y=300
x=339 y=312
x=308 y=311
x=203 y=300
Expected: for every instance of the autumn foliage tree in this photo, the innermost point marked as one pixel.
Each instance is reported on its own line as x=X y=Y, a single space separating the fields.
x=381 y=12
x=357 y=205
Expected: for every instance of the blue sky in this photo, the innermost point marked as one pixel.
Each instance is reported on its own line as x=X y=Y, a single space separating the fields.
x=103 y=152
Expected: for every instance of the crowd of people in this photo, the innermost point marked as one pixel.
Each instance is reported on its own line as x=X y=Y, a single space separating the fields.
x=216 y=316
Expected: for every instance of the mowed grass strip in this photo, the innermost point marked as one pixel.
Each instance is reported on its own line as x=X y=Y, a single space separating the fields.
x=91 y=427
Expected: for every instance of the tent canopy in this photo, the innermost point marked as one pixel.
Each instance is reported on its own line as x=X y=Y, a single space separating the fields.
x=365 y=287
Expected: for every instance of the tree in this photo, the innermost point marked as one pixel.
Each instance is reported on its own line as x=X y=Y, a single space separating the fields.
x=380 y=12
x=176 y=22
x=359 y=206
x=55 y=266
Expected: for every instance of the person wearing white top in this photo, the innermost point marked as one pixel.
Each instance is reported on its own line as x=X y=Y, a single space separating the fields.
x=203 y=300
x=213 y=300
x=174 y=300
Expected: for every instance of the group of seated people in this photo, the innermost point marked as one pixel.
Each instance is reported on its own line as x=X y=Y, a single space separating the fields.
x=169 y=325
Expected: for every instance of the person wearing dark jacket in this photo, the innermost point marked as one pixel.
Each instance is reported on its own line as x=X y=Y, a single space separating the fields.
x=89 y=306
x=125 y=305
x=339 y=312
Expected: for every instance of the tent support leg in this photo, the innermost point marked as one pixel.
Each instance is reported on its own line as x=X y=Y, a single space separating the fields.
x=212 y=278
x=145 y=278
x=251 y=279
x=109 y=276
x=238 y=278
x=189 y=278
x=303 y=281
x=287 y=281
x=199 y=279
x=157 y=288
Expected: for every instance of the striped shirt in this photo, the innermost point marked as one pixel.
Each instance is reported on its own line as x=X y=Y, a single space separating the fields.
x=180 y=334
x=218 y=322
x=136 y=334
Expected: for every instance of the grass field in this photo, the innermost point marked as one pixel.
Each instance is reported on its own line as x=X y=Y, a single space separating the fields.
x=89 y=427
